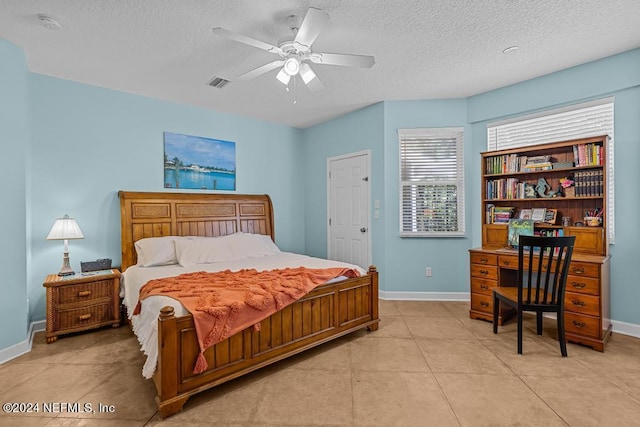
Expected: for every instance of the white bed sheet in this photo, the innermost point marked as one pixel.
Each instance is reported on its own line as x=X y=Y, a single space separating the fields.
x=145 y=325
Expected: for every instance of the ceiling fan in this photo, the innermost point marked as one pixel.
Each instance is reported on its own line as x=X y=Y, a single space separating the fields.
x=295 y=52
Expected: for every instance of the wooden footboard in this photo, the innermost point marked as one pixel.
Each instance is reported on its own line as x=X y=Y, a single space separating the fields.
x=328 y=312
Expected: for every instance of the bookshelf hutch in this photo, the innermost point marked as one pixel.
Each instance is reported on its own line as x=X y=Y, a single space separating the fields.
x=516 y=182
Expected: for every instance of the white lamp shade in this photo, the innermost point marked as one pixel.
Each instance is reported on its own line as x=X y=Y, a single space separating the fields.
x=306 y=73
x=65 y=228
x=283 y=77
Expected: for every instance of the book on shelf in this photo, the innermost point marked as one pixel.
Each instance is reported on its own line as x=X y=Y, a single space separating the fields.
x=502 y=214
x=517 y=228
x=534 y=167
x=589 y=183
x=588 y=154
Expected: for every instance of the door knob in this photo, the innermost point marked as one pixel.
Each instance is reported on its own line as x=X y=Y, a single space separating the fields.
x=363 y=230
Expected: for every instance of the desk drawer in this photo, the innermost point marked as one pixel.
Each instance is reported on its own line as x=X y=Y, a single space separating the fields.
x=482 y=303
x=583 y=285
x=582 y=325
x=581 y=303
x=584 y=269
x=487 y=259
x=484 y=271
x=510 y=261
x=482 y=286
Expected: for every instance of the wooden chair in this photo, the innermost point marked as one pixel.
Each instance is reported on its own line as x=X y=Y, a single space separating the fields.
x=543 y=264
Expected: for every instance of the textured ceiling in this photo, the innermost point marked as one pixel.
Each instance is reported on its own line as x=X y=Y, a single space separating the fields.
x=424 y=49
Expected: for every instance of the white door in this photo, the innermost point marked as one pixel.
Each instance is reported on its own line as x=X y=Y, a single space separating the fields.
x=348 y=208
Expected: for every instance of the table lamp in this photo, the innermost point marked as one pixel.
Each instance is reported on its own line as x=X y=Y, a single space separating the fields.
x=65 y=228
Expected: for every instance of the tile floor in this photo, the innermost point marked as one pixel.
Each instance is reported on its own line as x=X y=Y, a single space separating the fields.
x=427 y=365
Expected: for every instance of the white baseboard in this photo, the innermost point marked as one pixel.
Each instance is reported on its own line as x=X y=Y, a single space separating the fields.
x=618 y=327
x=424 y=296
x=626 y=328
x=22 y=347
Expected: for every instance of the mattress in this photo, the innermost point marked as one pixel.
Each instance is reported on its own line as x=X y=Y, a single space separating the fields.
x=145 y=325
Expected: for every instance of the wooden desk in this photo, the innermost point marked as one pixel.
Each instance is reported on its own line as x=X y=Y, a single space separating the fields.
x=587 y=306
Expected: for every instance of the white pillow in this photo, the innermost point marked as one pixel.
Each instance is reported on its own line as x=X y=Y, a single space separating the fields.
x=156 y=251
x=202 y=250
x=248 y=245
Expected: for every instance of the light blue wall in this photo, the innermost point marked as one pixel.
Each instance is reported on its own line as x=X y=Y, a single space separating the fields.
x=90 y=142
x=407 y=258
x=617 y=76
x=14 y=142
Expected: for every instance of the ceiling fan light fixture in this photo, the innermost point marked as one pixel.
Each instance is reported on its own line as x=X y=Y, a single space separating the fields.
x=306 y=73
x=291 y=66
x=283 y=76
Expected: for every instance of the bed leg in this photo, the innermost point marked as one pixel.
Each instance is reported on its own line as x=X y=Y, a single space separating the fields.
x=171 y=407
x=167 y=369
x=373 y=271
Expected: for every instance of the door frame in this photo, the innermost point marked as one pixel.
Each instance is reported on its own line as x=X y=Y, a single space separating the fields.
x=367 y=154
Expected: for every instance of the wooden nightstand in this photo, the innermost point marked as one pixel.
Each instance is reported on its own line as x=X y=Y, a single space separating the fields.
x=82 y=301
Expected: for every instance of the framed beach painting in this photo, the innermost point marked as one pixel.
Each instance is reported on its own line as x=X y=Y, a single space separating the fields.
x=195 y=162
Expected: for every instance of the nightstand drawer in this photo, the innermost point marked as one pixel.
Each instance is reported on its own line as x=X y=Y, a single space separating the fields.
x=85 y=292
x=84 y=316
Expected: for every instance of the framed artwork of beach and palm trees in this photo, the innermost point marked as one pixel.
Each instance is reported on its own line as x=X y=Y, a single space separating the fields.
x=195 y=162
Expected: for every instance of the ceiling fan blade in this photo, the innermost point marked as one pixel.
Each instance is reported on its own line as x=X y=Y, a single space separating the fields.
x=313 y=23
x=219 y=31
x=346 y=60
x=261 y=70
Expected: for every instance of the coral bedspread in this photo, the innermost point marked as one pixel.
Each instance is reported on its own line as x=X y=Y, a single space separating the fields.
x=227 y=302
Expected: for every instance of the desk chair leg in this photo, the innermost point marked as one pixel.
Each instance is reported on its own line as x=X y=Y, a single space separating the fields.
x=561 y=336
x=539 y=322
x=496 y=310
x=519 y=315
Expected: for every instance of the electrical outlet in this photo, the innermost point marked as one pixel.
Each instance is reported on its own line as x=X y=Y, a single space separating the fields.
x=428 y=272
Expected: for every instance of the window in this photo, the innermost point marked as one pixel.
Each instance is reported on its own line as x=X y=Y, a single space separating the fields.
x=577 y=121
x=431 y=182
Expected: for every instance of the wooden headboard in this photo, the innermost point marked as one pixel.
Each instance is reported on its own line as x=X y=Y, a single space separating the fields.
x=189 y=214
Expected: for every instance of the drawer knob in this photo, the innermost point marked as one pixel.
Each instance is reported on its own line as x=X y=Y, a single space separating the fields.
x=484 y=272
x=484 y=287
x=579 y=324
x=578 y=303
x=84 y=316
x=485 y=260
x=84 y=293
x=484 y=303
x=505 y=262
x=578 y=270
x=578 y=285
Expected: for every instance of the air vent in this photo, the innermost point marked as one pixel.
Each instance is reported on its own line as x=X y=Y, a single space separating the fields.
x=218 y=82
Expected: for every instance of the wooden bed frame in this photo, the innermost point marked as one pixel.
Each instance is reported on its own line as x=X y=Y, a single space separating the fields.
x=328 y=312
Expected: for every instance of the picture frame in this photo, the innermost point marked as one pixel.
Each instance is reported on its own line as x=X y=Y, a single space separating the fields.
x=525 y=214
x=550 y=216
x=199 y=163
x=538 y=214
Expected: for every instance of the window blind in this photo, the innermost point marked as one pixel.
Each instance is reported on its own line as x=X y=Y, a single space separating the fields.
x=431 y=182
x=577 y=121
